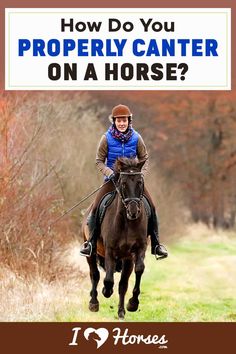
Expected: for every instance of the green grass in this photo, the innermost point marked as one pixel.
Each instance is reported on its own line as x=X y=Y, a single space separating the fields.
x=196 y=283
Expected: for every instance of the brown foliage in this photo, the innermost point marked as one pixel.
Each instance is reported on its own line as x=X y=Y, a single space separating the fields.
x=201 y=155
x=40 y=151
x=28 y=201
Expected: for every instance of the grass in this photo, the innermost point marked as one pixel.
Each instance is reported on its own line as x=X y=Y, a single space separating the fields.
x=196 y=283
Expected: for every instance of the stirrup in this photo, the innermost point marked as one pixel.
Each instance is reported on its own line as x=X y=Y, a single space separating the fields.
x=88 y=243
x=159 y=257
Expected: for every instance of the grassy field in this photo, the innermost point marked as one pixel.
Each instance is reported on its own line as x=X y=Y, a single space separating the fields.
x=196 y=283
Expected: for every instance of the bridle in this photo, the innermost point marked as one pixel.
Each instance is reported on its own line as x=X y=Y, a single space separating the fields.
x=127 y=201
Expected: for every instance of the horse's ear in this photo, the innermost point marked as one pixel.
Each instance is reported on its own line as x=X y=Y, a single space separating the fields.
x=140 y=165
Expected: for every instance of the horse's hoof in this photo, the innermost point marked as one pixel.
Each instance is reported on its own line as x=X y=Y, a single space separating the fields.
x=121 y=314
x=94 y=307
x=132 y=306
x=107 y=292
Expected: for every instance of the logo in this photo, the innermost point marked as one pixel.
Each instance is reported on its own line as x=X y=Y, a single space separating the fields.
x=119 y=336
x=100 y=335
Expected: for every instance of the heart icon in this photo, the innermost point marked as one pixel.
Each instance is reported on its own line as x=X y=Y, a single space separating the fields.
x=100 y=335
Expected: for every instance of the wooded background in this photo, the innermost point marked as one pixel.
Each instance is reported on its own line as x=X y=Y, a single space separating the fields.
x=48 y=143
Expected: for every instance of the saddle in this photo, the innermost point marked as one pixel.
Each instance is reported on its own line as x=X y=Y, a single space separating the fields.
x=147 y=206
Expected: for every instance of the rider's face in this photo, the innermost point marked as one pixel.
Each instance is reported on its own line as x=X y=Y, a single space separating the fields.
x=122 y=123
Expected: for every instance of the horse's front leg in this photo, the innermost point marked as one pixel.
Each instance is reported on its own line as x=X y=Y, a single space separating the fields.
x=139 y=269
x=94 y=276
x=109 y=278
x=123 y=285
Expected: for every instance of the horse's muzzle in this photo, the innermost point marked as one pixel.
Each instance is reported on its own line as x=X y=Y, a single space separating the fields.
x=133 y=208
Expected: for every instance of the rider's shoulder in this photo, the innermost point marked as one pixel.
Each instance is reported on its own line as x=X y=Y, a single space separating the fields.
x=140 y=139
x=103 y=139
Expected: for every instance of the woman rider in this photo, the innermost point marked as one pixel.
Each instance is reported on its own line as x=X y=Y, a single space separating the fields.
x=121 y=140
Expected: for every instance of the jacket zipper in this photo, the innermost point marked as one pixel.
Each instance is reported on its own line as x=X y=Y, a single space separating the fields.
x=123 y=149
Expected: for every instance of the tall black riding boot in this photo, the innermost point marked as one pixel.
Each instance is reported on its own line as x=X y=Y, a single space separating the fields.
x=153 y=229
x=90 y=246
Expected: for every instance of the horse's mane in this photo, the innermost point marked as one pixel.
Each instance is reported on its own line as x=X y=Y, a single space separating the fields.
x=125 y=163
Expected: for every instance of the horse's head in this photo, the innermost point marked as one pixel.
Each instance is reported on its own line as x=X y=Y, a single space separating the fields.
x=130 y=185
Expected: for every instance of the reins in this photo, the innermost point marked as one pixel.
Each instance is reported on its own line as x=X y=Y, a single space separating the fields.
x=72 y=208
x=96 y=190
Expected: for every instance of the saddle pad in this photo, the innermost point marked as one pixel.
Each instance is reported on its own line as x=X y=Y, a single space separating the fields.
x=147 y=206
x=104 y=204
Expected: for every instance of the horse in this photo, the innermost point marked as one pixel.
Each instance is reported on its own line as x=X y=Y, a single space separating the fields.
x=123 y=237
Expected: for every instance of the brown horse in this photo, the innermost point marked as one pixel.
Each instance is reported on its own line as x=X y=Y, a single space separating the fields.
x=123 y=237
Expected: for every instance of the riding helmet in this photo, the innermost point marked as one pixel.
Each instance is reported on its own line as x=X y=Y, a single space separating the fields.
x=120 y=111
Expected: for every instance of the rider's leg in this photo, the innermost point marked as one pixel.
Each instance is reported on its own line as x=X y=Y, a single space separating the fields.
x=153 y=230
x=153 y=225
x=90 y=245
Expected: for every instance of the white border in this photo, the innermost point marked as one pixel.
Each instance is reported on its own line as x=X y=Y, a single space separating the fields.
x=88 y=87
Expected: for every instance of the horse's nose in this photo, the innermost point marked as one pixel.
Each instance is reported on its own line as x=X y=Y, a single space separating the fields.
x=133 y=211
x=134 y=216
